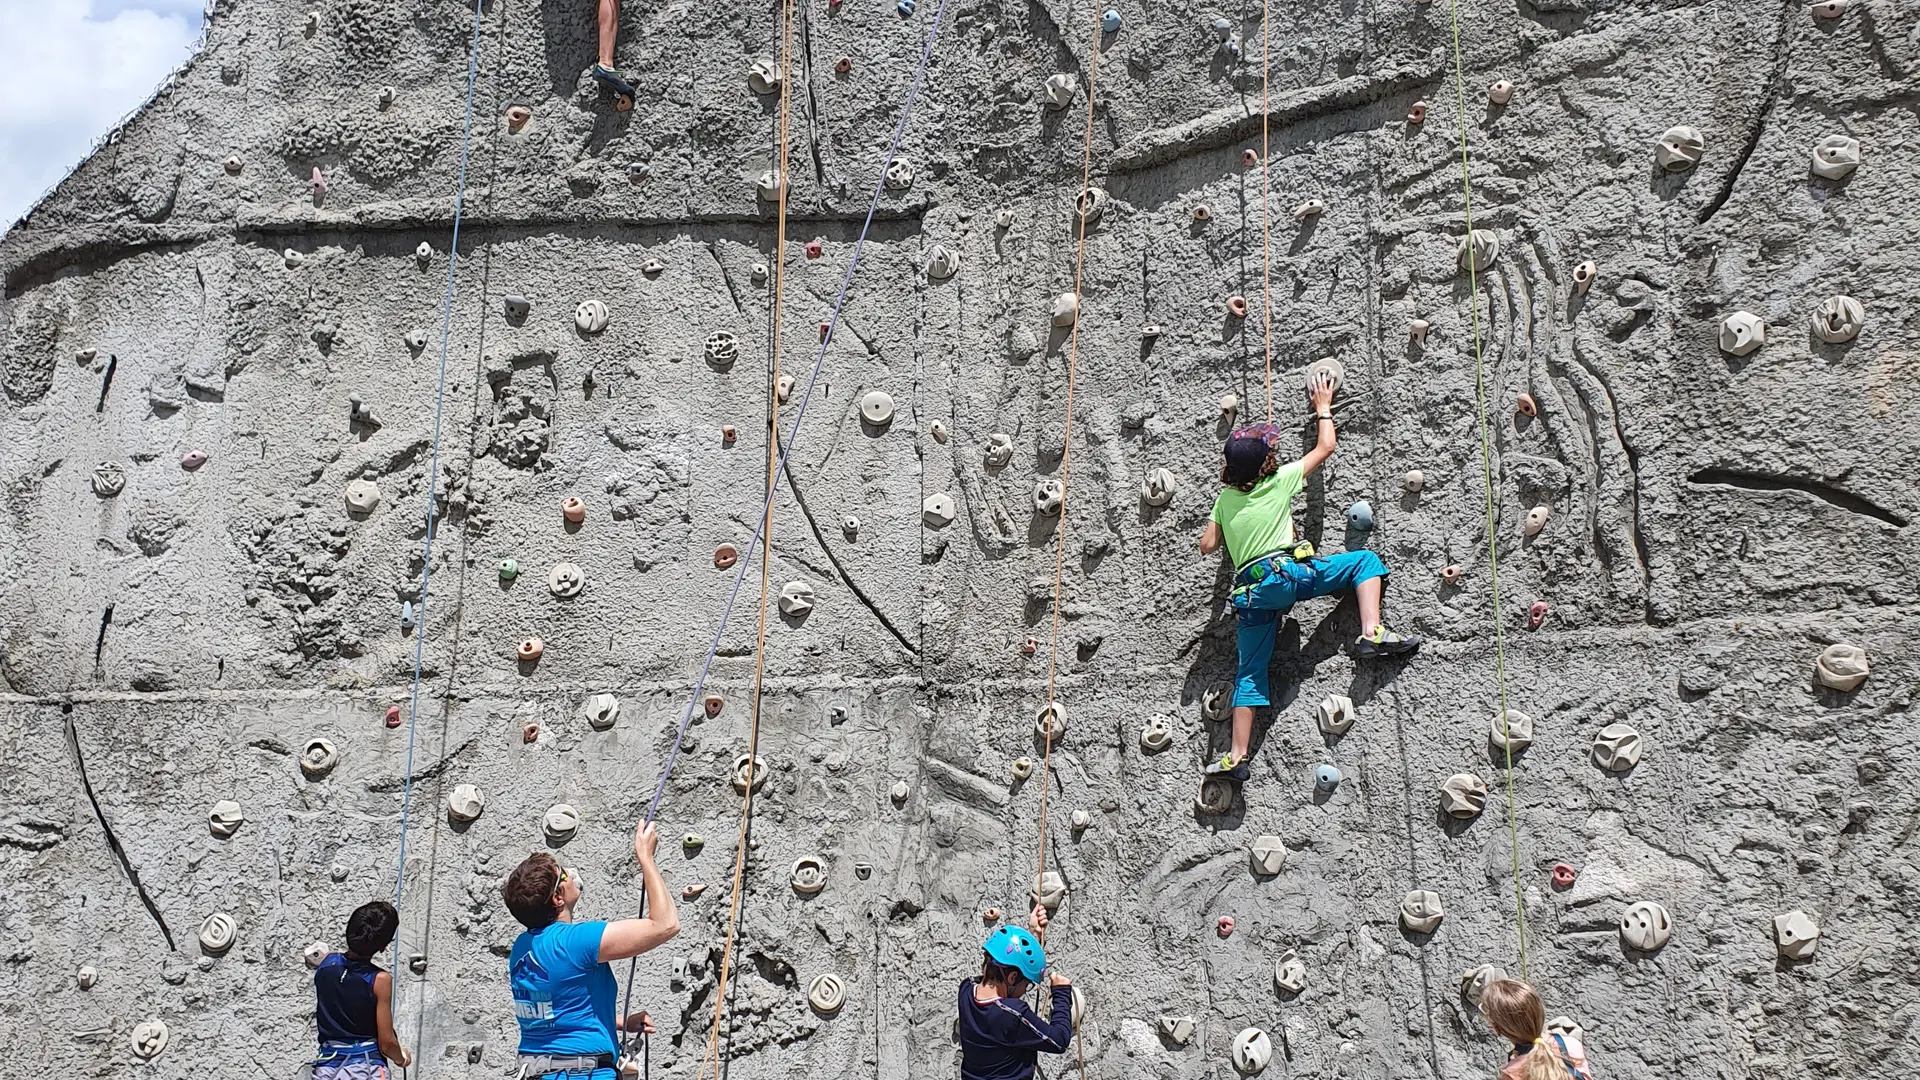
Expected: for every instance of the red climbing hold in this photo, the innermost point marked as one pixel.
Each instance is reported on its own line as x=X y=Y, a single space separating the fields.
x=393 y=716
x=1537 y=614
x=1563 y=875
x=727 y=433
x=1226 y=925
x=814 y=249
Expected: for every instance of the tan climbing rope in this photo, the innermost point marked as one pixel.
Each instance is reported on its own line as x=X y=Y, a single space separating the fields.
x=712 y=1056
x=1486 y=469
x=1266 y=205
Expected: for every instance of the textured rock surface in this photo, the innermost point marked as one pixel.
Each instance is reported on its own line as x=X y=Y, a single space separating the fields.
x=1717 y=521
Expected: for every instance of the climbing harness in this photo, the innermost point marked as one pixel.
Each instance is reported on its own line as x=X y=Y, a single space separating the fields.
x=1486 y=469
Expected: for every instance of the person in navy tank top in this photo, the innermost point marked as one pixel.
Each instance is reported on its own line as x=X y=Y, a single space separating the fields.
x=353 y=1002
x=561 y=971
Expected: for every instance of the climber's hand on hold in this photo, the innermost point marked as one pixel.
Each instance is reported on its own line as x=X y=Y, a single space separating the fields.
x=1320 y=391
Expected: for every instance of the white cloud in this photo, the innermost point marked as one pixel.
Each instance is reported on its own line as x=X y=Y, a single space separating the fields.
x=69 y=70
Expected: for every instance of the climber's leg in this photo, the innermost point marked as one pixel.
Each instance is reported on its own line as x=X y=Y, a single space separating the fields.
x=603 y=70
x=1364 y=573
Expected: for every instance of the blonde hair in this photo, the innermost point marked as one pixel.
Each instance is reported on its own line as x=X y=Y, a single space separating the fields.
x=1515 y=1013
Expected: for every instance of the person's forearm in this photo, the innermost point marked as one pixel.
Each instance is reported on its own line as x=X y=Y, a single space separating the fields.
x=1328 y=439
x=659 y=901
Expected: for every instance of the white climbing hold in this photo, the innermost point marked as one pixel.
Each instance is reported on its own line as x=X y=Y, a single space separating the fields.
x=1252 y=1051
x=465 y=803
x=1796 y=935
x=1215 y=797
x=601 y=711
x=1310 y=208
x=937 y=510
x=809 y=876
x=749 y=772
x=1536 y=520
x=1583 y=276
x=1516 y=734
x=1156 y=734
x=999 y=450
x=149 y=1037
x=362 y=496
x=1091 y=204
x=217 y=932
x=315 y=953
x=566 y=580
x=938 y=430
x=1329 y=366
x=1158 y=487
x=1267 y=854
x=560 y=822
x=87 y=978
x=1048 y=495
x=1475 y=980
x=771 y=185
x=292 y=258
x=783 y=388
x=1742 y=332
x=1052 y=892
x=796 y=598
x=1679 y=148
x=827 y=993
x=1216 y=704
x=1051 y=722
x=942 y=263
x=1463 y=795
x=1414 y=480
x=1478 y=250
x=1335 y=714
x=1022 y=768
x=1003 y=219
x=1060 y=90
x=899 y=791
x=590 y=316
x=763 y=77
x=423 y=253
x=1290 y=973
x=1175 y=1029
x=1421 y=911
x=1079 y=820
x=1500 y=93
x=722 y=348
x=1841 y=667
x=1829 y=9
x=899 y=174
x=1616 y=748
x=876 y=407
x=1840 y=318
x=1417 y=330
x=1835 y=156
x=1066 y=309
x=318 y=757
x=1646 y=926
x=225 y=819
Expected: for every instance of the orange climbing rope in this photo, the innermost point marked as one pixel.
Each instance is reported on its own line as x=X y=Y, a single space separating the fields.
x=712 y=1056
x=1266 y=206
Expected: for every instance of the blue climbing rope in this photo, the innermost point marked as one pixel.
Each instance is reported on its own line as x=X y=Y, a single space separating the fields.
x=793 y=433
x=433 y=459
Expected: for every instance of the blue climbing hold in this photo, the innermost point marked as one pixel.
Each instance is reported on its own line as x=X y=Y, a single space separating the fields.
x=904 y=7
x=1326 y=778
x=1110 y=22
x=1360 y=515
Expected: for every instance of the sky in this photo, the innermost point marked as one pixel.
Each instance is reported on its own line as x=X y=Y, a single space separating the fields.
x=69 y=71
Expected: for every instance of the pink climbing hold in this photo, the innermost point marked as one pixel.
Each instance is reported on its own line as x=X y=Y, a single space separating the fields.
x=393 y=716
x=193 y=460
x=728 y=433
x=1226 y=925
x=814 y=249
x=319 y=182
x=826 y=330
x=1249 y=157
x=1563 y=875
x=1451 y=575
x=1537 y=614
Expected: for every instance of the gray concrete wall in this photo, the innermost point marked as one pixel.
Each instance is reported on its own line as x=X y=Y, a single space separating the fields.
x=1716 y=522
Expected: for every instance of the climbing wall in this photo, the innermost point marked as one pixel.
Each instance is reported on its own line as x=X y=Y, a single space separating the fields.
x=1675 y=456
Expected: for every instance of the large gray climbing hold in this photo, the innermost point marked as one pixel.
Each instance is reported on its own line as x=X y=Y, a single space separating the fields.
x=1421 y=911
x=1679 y=148
x=1478 y=250
x=1841 y=667
x=1646 y=926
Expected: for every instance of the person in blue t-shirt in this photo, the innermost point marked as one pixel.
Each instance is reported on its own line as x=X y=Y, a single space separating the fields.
x=563 y=986
x=353 y=1001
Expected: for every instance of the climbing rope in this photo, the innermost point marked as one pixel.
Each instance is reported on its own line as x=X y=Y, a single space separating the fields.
x=1486 y=469
x=1266 y=204
x=766 y=530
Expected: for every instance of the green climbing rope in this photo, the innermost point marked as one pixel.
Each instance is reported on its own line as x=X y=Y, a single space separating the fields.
x=1486 y=470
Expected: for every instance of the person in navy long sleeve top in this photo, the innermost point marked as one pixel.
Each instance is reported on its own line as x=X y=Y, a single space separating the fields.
x=1001 y=1038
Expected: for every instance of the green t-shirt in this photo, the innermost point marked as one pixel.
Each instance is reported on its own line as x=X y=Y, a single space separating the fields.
x=1259 y=522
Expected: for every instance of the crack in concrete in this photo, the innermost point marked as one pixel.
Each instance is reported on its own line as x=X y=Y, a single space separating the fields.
x=113 y=841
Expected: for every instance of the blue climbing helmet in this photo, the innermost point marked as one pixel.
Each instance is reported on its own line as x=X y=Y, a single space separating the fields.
x=1018 y=950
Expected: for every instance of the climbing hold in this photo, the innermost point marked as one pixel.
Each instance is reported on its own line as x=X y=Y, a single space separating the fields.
x=1051 y=723
x=1091 y=204
x=1202 y=212
x=464 y=802
x=1417 y=113
x=1563 y=875
x=1326 y=777
x=1175 y=1029
x=590 y=316
x=1795 y=935
x=1583 y=276
x=225 y=818
x=529 y=650
x=1150 y=331
x=509 y=569
x=899 y=791
x=1052 y=891
x=904 y=7
x=1030 y=646
x=1536 y=520
x=573 y=509
x=1048 y=495
x=783 y=388
x=1060 y=90
x=1224 y=926
x=1829 y=9
x=1475 y=980
x=530 y=732
x=384 y=100
x=652 y=267
x=1413 y=480
x=1417 y=330
x=149 y=1038
x=763 y=77
x=1616 y=748
x=417 y=963
x=233 y=164
x=517 y=306
x=692 y=842
x=1515 y=733
x=108 y=480
x=1646 y=926
x=1215 y=797
x=1066 y=309
x=1742 y=332
x=899 y=172
x=1110 y=22
x=725 y=556
x=315 y=953
x=1229 y=403
x=1332 y=368
x=1477 y=251
x=729 y=434
x=1360 y=516
x=770 y=186
x=745 y=776
x=1537 y=614
x=827 y=993
x=1252 y=1051
x=1463 y=795
x=1249 y=157
x=1421 y=911
x=393 y=716
x=1335 y=714
x=1157 y=489
x=843 y=66
x=1237 y=306
x=796 y=598
x=722 y=349
x=850 y=525
x=1268 y=855
x=416 y=340
x=1679 y=148
x=517 y=117
x=876 y=407
x=560 y=822
x=1003 y=219
x=319 y=184
x=566 y=580
x=1310 y=208
x=999 y=450
x=1290 y=973
x=1841 y=667
x=292 y=258
x=1216 y=704
x=1156 y=734
x=1079 y=820
x=938 y=430
x=1451 y=575
x=362 y=496
x=937 y=510
x=693 y=892
x=1500 y=92
x=941 y=263
x=809 y=876
x=1840 y=318
x=406 y=614
x=1835 y=156
x=318 y=758
x=1022 y=768
x=217 y=932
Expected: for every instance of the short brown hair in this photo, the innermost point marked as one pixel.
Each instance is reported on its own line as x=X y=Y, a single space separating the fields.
x=529 y=890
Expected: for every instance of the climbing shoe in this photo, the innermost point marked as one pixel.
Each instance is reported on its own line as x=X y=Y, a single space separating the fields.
x=620 y=88
x=1235 y=771
x=1384 y=642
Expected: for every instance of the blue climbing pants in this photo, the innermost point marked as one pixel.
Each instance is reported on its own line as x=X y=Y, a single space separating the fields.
x=1264 y=589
